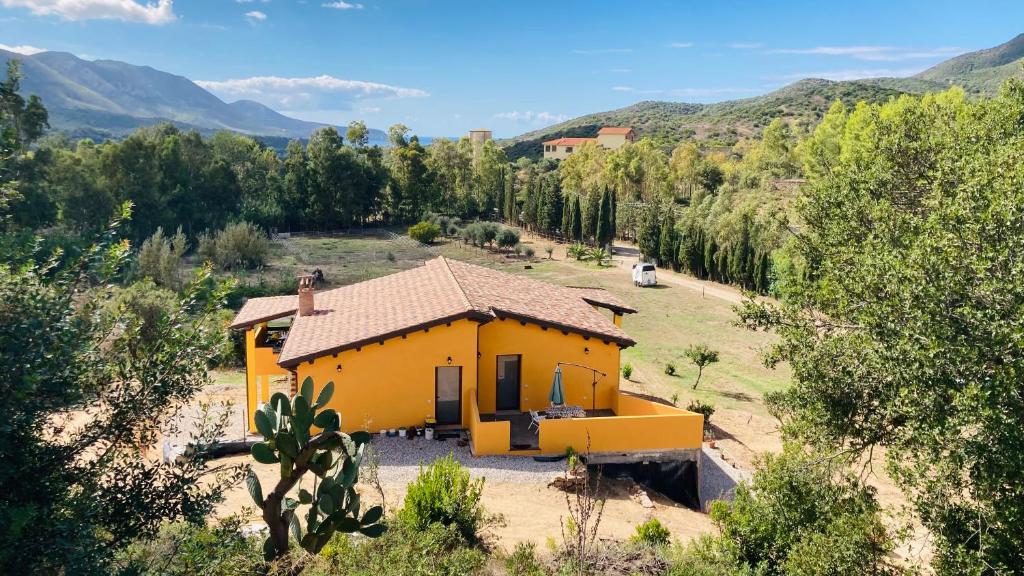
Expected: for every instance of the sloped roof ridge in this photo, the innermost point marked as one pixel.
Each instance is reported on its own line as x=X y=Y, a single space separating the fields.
x=458 y=285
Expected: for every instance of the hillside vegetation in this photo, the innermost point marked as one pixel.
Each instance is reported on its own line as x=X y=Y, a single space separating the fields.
x=979 y=73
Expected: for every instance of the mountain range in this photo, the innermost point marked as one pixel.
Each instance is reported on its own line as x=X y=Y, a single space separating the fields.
x=979 y=73
x=108 y=99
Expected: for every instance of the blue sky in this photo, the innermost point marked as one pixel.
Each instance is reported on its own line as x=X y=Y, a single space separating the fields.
x=443 y=67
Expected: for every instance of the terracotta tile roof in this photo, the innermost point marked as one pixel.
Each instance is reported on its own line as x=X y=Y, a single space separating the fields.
x=256 y=310
x=604 y=298
x=438 y=292
x=503 y=294
x=569 y=141
x=615 y=130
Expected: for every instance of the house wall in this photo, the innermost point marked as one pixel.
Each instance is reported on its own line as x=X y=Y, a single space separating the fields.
x=260 y=369
x=541 y=350
x=558 y=152
x=611 y=141
x=392 y=385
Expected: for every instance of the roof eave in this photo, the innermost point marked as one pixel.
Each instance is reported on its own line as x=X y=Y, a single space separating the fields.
x=622 y=342
x=250 y=323
x=470 y=315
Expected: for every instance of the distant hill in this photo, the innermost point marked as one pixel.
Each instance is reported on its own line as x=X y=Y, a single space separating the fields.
x=721 y=124
x=106 y=98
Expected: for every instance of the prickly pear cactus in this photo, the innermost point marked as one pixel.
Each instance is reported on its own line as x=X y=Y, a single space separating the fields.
x=288 y=426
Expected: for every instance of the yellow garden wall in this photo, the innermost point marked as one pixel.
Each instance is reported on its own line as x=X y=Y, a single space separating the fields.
x=541 y=350
x=641 y=426
x=488 y=437
x=392 y=385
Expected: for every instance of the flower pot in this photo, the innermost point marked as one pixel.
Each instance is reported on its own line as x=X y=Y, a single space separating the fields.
x=428 y=433
x=401 y=432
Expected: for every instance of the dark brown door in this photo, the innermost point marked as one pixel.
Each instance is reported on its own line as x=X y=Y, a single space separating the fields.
x=448 y=390
x=507 y=397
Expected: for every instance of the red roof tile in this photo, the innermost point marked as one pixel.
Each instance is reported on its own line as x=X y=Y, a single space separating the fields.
x=569 y=141
x=440 y=291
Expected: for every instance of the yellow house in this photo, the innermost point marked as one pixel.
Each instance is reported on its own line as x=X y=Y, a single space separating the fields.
x=473 y=349
x=610 y=137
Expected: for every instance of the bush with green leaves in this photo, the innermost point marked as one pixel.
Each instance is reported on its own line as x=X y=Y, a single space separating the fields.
x=425 y=232
x=652 y=533
x=239 y=245
x=627 y=370
x=703 y=409
x=436 y=550
x=183 y=549
x=523 y=561
x=160 y=258
x=599 y=255
x=797 y=516
x=507 y=238
x=331 y=455
x=550 y=251
x=578 y=251
x=444 y=493
x=670 y=369
x=529 y=252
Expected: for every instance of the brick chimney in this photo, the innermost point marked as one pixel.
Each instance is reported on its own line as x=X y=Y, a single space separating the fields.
x=306 y=295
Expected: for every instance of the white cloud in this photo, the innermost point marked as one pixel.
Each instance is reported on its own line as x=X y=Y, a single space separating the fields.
x=874 y=53
x=160 y=12
x=255 y=16
x=602 y=51
x=744 y=45
x=706 y=92
x=313 y=93
x=342 y=5
x=531 y=117
x=681 y=45
x=854 y=74
x=22 y=49
x=622 y=88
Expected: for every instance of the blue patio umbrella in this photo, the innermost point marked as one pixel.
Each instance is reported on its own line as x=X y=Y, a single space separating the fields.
x=557 y=396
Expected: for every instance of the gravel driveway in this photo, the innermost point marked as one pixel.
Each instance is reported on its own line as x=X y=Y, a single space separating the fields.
x=400 y=460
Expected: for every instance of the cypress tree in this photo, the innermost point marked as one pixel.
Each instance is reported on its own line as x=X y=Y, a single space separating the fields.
x=667 y=241
x=577 y=220
x=604 y=213
x=566 y=218
x=611 y=220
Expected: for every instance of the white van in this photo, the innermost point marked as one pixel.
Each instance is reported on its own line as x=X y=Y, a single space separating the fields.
x=643 y=274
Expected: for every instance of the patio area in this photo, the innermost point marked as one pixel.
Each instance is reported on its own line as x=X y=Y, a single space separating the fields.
x=522 y=436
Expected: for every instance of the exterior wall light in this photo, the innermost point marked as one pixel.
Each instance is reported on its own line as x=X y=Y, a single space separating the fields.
x=449 y=360
x=586 y=350
x=339 y=368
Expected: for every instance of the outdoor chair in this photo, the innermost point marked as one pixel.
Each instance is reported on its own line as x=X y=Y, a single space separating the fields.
x=535 y=420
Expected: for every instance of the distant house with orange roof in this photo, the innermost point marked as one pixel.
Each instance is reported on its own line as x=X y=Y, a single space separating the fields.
x=469 y=348
x=610 y=137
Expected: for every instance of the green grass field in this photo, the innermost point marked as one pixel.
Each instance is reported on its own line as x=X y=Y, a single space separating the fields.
x=670 y=317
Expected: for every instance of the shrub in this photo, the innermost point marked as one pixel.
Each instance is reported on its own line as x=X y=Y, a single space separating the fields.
x=424 y=232
x=443 y=493
x=578 y=251
x=549 y=250
x=652 y=533
x=523 y=561
x=704 y=409
x=518 y=249
x=391 y=256
x=238 y=245
x=507 y=238
x=528 y=251
x=599 y=255
x=627 y=370
x=436 y=550
x=181 y=549
x=489 y=232
x=670 y=369
x=160 y=256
